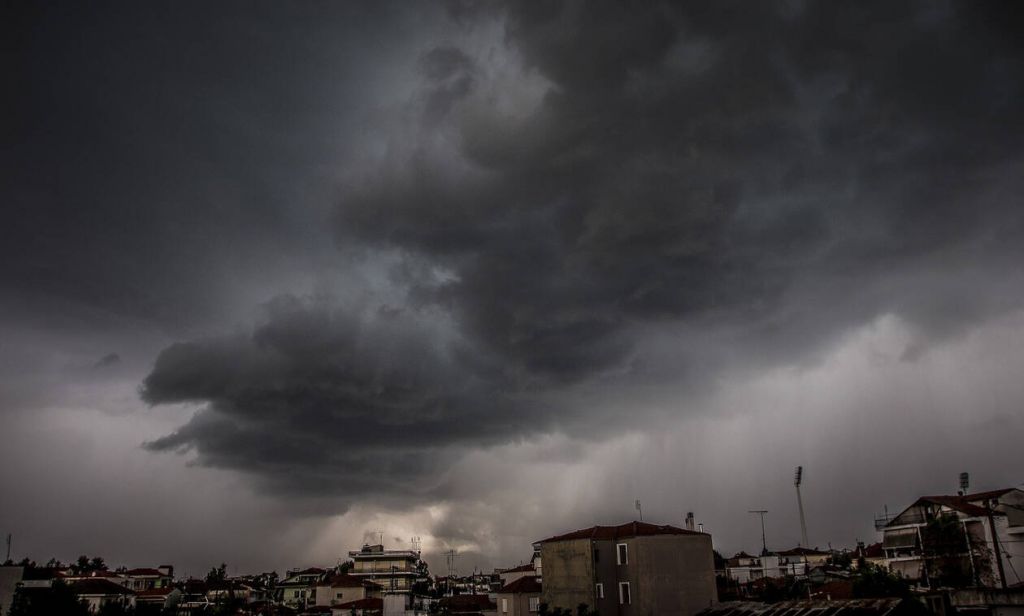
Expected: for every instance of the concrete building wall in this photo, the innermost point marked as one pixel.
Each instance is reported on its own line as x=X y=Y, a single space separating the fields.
x=9 y=578
x=568 y=573
x=517 y=604
x=672 y=574
x=667 y=574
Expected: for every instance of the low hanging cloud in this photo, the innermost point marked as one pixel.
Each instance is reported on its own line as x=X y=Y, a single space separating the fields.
x=747 y=181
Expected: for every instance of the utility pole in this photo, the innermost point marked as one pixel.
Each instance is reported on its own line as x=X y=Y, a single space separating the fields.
x=764 y=542
x=8 y=547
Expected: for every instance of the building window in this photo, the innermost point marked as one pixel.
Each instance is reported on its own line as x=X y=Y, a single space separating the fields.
x=534 y=604
x=624 y=593
x=622 y=554
x=504 y=606
x=599 y=591
x=597 y=555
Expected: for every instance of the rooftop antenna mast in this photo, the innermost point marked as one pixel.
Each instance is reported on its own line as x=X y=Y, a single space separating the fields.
x=798 y=478
x=764 y=542
x=639 y=510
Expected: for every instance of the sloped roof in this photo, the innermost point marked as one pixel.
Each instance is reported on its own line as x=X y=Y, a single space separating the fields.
x=144 y=571
x=525 y=584
x=99 y=586
x=848 y=607
x=622 y=531
x=800 y=551
x=520 y=569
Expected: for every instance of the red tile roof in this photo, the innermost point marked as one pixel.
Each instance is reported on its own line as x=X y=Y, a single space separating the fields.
x=144 y=571
x=520 y=569
x=527 y=584
x=622 y=531
x=99 y=586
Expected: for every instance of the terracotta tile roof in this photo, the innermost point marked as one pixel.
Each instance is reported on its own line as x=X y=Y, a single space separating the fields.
x=143 y=571
x=520 y=569
x=957 y=502
x=622 y=531
x=526 y=584
x=99 y=586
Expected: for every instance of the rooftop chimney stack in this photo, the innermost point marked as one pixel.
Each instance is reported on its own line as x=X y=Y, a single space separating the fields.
x=689 y=521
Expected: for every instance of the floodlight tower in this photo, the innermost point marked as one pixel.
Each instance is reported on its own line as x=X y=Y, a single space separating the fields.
x=797 y=480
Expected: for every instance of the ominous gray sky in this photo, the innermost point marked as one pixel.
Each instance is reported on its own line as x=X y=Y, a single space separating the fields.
x=275 y=276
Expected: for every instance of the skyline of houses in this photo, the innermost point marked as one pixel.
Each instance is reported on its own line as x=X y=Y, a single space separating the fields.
x=940 y=548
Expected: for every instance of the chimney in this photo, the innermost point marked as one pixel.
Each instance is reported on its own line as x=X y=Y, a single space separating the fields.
x=689 y=520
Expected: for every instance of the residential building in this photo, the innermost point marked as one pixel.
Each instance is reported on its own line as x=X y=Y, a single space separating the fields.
x=510 y=575
x=393 y=570
x=630 y=569
x=520 y=597
x=344 y=588
x=165 y=597
x=98 y=592
x=298 y=589
x=990 y=523
x=368 y=606
x=148 y=578
x=10 y=578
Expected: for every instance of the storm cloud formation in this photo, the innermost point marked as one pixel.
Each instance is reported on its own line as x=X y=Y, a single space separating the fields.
x=777 y=173
x=463 y=262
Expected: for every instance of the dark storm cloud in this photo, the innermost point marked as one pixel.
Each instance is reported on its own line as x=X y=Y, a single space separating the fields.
x=309 y=397
x=156 y=156
x=775 y=172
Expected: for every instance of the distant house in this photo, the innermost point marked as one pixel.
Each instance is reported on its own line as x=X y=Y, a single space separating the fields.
x=343 y=588
x=510 y=575
x=148 y=578
x=100 y=591
x=393 y=570
x=298 y=589
x=520 y=597
x=633 y=568
x=159 y=598
x=993 y=521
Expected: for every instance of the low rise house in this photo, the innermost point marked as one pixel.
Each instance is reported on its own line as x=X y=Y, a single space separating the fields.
x=298 y=589
x=148 y=578
x=937 y=534
x=343 y=588
x=165 y=597
x=99 y=592
x=510 y=575
x=520 y=597
x=632 y=568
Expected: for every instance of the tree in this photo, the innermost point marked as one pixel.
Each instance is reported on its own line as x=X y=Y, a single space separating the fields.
x=952 y=556
x=217 y=574
x=874 y=582
x=58 y=599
